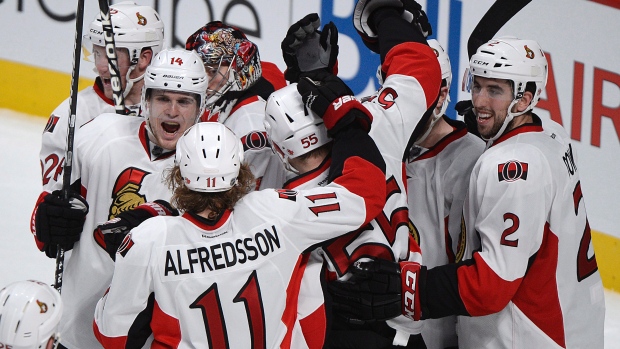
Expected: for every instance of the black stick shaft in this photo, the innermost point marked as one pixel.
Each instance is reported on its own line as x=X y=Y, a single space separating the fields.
x=498 y=14
x=110 y=50
x=68 y=165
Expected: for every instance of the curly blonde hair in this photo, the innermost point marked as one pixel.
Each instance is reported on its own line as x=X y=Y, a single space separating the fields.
x=194 y=201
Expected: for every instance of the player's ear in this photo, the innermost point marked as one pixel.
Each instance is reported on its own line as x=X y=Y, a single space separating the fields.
x=146 y=55
x=524 y=101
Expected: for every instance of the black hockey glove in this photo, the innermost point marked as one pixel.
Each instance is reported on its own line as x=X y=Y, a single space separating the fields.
x=60 y=221
x=332 y=100
x=366 y=24
x=466 y=110
x=110 y=235
x=305 y=48
x=413 y=13
x=378 y=290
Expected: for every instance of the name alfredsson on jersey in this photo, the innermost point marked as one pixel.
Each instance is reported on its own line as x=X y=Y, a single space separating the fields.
x=220 y=256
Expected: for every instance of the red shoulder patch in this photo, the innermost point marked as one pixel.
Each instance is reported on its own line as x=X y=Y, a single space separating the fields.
x=51 y=123
x=126 y=245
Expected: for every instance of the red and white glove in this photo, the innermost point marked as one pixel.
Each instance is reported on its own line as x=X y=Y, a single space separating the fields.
x=378 y=290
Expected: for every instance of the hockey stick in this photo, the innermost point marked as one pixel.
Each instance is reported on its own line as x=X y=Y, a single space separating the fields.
x=493 y=20
x=110 y=50
x=67 y=168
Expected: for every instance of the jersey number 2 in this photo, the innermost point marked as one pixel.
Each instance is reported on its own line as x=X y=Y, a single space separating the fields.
x=585 y=266
x=213 y=316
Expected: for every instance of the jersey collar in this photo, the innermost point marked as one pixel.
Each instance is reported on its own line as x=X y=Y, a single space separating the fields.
x=97 y=86
x=208 y=224
x=310 y=175
x=534 y=126
x=146 y=144
x=460 y=131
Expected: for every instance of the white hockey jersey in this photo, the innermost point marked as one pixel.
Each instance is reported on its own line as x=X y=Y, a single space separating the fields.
x=535 y=271
x=437 y=181
x=411 y=85
x=223 y=284
x=245 y=119
x=91 y=102
x=112 y=160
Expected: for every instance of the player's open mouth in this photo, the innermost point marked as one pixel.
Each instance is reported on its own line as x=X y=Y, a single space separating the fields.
x=106 y=81
x=483 y=117
x=170 y=127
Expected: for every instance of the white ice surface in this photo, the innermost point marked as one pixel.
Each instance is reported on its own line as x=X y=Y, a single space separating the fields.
x=20 y=185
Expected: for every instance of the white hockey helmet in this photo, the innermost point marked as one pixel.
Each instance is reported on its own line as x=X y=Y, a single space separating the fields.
x=446 y=74
x=176 y=70
x=292 y=129
x=509 y=58
x=135 y=27
x=209 y=156
x=29 y=315
x=220 y=44
x=444 y=61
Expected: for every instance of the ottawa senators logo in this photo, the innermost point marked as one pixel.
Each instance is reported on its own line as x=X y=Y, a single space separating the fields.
x=51 y=123
x=42 y=307
x=512 y=170
x=141 y=19
x=255 y=140
x=528 y=52
x=126 y=193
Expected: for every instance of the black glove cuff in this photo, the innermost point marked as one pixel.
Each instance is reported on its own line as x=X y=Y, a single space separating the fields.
x=381 y=14
x=355 y=118
x=171 y=210
x=422 y=291
x=394 y=30
x=463 y=107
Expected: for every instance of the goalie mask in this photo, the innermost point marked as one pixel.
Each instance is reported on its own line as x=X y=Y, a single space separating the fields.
x=292 y=129
x=176 y=70
x=220 y=45
x=209 y=156
x=29 y=315
x=509 y=58
x=135 y=27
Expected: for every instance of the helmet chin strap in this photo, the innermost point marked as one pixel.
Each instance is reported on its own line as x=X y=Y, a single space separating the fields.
x=130 y=81
x=509 y=116
x=435 y=117
x=288 y=166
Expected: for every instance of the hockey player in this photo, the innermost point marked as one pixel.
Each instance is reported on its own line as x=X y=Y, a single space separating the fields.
x=238 y=89
x=299 y=138
x=438 y=169
x=138 y=35
x=118 y=165
x=218 y=276
x=533 y=282
x=29 y=312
